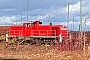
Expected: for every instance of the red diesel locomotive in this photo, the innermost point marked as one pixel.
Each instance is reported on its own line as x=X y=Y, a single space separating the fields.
x=35 y=31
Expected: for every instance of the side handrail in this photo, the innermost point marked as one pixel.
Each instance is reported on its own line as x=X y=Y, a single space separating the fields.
x=39 y=32
x=15 y=32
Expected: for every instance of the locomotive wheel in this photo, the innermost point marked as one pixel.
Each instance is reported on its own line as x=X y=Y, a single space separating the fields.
x=23 y=43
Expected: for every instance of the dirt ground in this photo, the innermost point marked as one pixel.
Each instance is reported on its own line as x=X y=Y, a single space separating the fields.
x=40 y=53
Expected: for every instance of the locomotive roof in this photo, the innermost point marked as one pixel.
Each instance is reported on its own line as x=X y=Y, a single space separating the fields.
x=32 y=22
x=28 y=22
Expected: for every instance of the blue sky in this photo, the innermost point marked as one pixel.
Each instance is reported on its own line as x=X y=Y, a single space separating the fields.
x=10 y=12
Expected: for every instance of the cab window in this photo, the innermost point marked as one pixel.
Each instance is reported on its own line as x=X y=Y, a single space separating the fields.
x=27 y=25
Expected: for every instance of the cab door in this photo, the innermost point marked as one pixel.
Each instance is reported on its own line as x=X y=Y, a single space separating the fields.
x=27 y=30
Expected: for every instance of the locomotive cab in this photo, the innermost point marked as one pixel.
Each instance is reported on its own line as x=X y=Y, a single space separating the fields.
x=37 y=23
x=28 y=24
